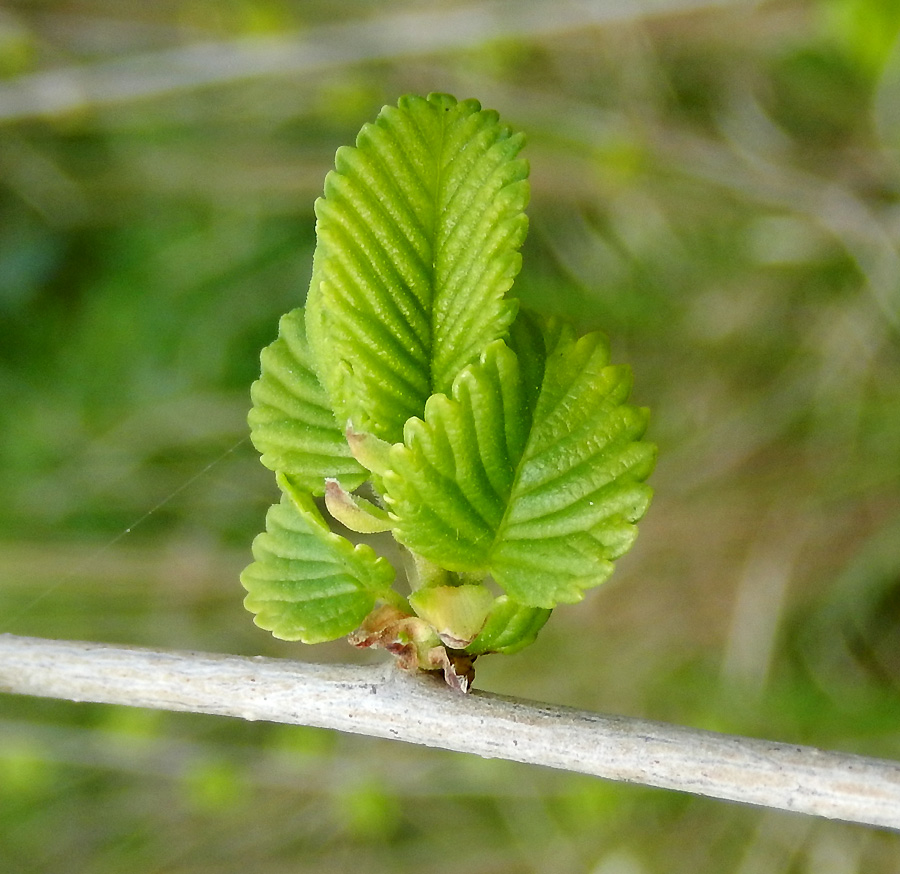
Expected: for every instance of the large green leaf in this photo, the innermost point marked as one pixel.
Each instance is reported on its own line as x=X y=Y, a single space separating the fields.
x=418 y=236
x=291 y=422
x=308 y=583
x=540 y=490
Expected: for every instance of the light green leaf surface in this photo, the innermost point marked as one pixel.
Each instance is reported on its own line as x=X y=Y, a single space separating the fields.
x=417 y=243
x=509 y=627
x=543 y=498
x=308 y=583
x=291 y=422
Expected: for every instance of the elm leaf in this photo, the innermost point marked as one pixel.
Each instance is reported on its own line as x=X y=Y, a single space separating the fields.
x=417 y=243
x=291 y=421
x=308 y=583
x=540 y=490
x=509 y=627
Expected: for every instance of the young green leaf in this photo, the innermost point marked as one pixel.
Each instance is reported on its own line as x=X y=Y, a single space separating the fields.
x=418 y=236
x=291 y=422
x=509 y=628
x=542 y=494
x=308 y=583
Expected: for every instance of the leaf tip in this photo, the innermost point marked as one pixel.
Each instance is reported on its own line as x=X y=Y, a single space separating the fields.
x=354 y=512
x=370 y=451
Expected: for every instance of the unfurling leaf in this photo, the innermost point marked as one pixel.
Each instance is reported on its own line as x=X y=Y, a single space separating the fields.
x=308 y=583
x=542 y=497
x=417 y=243
x=457 y=613
x=509 y=628
x=354 y=512
x=291 y=421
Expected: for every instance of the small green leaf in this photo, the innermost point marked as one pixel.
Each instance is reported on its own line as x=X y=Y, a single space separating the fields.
x=308 y=583
x=542 y=498
x=291 y=421
x=509 y=627
x=417 y=243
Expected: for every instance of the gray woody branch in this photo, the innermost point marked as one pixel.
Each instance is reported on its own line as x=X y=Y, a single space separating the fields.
x=382 y=702
x=328 y=46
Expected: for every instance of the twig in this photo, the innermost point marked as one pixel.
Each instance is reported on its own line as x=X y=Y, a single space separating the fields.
x=329 y=46
x=381 y=702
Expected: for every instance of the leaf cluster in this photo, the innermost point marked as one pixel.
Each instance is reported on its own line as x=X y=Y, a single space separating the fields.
x=494 y=444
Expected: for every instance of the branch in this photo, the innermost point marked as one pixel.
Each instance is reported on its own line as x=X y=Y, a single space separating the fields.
x=328 y=46
x=382 y=702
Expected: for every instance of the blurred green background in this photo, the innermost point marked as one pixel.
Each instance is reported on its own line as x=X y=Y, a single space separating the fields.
x=715 y=184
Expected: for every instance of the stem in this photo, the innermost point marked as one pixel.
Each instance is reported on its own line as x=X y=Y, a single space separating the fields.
x=384 y=37
x=382 y=702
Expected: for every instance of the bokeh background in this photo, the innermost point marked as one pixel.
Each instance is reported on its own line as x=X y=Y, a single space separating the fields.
x=715 y=184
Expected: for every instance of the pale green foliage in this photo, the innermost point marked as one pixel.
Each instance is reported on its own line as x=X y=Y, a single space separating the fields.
x=499 y=446
x=541 y=498
x=417 y=239
x=509 y=627
x=291 y=421
x=307 y=582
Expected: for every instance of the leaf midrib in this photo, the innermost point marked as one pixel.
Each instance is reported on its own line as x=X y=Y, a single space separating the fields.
x=526 y=449
x=436 y=196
